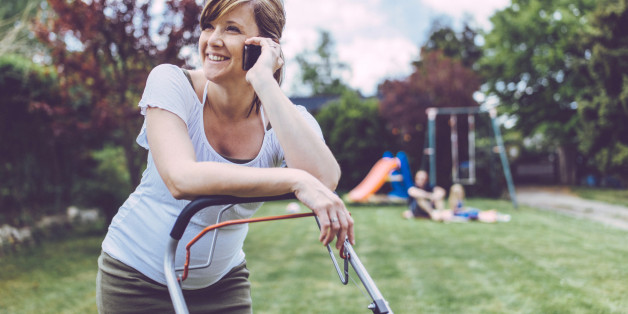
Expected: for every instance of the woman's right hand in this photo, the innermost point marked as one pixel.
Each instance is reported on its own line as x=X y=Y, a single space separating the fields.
x=334 y=218
x=269 y=61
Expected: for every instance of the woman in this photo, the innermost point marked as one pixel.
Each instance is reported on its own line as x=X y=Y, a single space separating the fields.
x=221 y=130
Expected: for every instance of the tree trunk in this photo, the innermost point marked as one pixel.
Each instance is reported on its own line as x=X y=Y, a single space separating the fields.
x=566 y=165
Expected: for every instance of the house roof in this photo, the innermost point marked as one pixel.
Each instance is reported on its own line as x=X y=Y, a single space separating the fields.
x=313 y=103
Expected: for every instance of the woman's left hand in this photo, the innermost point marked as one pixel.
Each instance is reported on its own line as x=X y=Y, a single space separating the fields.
x=269 y=61
x=334 y=218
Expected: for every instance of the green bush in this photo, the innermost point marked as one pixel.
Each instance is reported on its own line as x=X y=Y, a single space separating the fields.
x=106 y=183
x=33 y=163
x=356 y=135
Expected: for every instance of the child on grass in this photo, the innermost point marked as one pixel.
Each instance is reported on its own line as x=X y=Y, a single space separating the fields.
x=459 y=212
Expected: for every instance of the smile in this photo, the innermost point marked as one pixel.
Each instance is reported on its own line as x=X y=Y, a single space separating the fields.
x=216 y=58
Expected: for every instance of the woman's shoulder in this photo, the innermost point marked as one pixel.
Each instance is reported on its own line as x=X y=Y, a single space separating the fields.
x=197 y=76
x=167 y=78
x=168 y=88
x=166 y=69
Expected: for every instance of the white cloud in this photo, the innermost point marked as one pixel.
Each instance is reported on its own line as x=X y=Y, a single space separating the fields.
x=345 y=20
x=374 y=60
x=365 y=39
x=378 y=39
x=342 y=16
x=480 y=10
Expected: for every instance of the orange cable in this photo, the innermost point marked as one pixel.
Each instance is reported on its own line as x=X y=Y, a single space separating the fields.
x=229 y=223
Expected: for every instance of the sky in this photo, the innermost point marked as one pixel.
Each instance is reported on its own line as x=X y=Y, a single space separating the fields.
x=377 y=39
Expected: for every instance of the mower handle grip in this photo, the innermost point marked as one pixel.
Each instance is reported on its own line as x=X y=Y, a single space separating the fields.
x=215 y=200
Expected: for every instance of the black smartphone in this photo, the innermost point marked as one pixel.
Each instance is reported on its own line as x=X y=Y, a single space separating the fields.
x=250 y=55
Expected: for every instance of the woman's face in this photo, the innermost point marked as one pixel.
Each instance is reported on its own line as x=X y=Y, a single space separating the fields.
x=222 y=41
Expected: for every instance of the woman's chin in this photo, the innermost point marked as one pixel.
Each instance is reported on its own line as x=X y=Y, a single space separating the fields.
x=221 y=75
x=214 y=76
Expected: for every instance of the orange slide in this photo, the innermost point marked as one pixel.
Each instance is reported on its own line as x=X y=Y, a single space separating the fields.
x=374 y=179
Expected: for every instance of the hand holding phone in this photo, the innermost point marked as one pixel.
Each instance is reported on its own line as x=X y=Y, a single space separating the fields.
x=250 y=55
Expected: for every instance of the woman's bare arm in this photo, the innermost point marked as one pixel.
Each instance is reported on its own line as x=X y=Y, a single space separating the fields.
x=187 y=178
x=302 y=146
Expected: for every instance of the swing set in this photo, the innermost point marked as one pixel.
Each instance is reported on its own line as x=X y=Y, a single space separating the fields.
x=464 y=172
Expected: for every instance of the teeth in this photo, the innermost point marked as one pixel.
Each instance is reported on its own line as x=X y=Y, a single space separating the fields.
x=216 y=58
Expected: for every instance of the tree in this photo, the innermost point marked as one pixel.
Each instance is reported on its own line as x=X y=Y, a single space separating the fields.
x=603 y=104
x=438 y=81
x=33 y=164
x=320 y=68
x=460 y=46
x=14 y=34
x=13 y=8
x=356 y=135
x=352 y=127
x=103 y=51
x=530 y=65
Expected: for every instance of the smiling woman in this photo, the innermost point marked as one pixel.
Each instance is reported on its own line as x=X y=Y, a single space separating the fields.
x=217 y=130
x=222 y=42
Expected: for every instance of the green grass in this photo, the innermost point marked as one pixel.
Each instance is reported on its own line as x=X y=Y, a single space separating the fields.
x=611 y=196
x=540 y=262
x=55 y=277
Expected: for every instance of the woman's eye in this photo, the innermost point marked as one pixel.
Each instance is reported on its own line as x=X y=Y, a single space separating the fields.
x=206 y=25
x=233 y=29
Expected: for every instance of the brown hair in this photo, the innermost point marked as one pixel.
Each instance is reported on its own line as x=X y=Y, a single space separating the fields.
x=270 y=18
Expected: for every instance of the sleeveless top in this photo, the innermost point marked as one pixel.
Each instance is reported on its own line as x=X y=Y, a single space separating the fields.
x=139 y=232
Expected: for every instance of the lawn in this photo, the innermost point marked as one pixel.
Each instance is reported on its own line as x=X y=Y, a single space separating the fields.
x=539 y=262
x=58 y=276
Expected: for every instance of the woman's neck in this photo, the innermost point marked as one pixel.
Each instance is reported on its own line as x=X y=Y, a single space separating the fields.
x=231 y=102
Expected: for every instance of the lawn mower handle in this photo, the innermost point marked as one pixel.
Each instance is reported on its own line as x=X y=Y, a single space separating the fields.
x=214 y=200
x=379 y=304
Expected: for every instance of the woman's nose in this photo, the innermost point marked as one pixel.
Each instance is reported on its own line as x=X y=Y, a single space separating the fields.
x=215 y=39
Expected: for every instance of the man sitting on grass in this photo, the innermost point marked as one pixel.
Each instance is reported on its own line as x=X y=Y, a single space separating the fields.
x=426 y=201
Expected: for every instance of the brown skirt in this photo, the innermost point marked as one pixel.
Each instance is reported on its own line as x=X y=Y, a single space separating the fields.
x=122 y=289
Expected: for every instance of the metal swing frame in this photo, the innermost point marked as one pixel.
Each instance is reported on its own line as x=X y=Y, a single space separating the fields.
x=378 y=304
x=470 y=111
